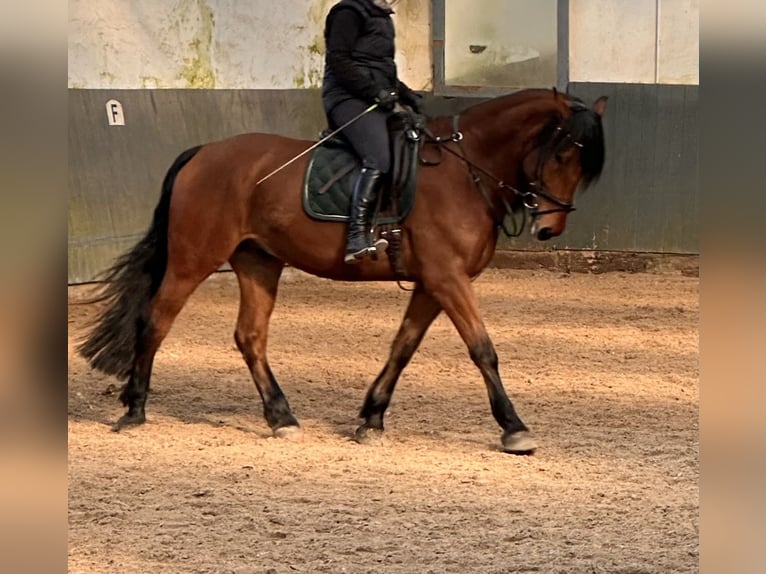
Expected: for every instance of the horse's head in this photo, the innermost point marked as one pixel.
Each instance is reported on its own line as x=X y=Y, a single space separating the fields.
x=568 y=151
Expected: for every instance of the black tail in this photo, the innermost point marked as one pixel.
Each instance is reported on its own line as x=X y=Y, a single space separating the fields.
x=129 y=286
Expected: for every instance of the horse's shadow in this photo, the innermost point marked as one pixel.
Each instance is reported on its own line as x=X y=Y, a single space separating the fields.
x=614 y=420
x=103 y=407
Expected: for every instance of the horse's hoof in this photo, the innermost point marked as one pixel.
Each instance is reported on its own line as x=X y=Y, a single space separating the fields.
x=520 y=442
x=291 y=433
x=128 y=420
x=369 y=436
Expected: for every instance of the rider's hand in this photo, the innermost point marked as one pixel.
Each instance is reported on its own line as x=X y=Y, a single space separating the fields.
x=386 y=99
x=413 y=102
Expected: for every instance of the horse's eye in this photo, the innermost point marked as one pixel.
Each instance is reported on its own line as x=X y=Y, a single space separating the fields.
x=559 y=158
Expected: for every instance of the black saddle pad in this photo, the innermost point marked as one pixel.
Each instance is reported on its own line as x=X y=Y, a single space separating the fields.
x=330 y=178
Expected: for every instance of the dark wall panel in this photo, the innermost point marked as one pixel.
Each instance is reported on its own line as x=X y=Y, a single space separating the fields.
x=115 y=172
x=646 y=200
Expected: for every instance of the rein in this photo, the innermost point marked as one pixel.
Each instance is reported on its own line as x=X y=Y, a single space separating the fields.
x=528 y=197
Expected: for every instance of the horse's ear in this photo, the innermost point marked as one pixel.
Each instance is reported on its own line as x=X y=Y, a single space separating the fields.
x=559 y=96
x=600 y=106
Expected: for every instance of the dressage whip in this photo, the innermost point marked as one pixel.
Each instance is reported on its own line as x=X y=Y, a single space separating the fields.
x=317 y=144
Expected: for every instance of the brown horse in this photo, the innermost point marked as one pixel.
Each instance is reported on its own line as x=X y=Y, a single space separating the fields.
x=525 y=152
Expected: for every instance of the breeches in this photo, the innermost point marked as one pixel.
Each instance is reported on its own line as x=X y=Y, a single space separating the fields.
x=368 y=135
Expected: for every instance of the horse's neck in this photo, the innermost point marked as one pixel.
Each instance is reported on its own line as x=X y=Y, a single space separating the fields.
x=504 y=135
x=494 y=127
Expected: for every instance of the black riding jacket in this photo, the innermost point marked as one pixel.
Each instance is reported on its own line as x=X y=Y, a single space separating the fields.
x=360 y=48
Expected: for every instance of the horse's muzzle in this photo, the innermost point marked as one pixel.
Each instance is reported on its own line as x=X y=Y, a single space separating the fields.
x=545 y=233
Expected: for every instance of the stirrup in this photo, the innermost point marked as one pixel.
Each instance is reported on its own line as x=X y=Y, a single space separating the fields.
x=357 y=256
x=375 y=250
x=379 y=247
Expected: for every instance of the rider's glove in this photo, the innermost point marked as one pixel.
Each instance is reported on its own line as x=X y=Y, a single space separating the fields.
x=386 y=99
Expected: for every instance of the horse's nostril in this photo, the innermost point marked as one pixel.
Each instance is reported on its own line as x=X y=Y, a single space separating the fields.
x=545 y=234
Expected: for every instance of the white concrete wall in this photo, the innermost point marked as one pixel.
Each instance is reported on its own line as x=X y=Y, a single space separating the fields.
x=245 y=44
x=678 y=42
x=641 y=41
x=268 y=44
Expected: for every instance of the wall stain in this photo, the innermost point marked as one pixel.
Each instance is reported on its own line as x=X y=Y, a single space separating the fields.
x=311 y=71
x=318 y=11
x=413 y=42
x=198 y=71
x=148 y=82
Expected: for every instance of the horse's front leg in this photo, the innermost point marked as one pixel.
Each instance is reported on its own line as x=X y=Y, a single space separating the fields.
x=456 y=297
x=421 y=312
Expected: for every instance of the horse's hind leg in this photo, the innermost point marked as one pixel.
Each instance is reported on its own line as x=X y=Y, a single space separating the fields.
x=258 y=274
x=421 y=312
x=170 y=298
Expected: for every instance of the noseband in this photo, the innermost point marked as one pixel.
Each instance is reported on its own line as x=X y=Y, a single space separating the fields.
x=529 y=197
x=538 y=186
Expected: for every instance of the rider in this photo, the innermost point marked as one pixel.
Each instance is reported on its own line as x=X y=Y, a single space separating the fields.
x=359 y=71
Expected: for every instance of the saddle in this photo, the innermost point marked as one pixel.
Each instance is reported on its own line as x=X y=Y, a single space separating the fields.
x=333 y=168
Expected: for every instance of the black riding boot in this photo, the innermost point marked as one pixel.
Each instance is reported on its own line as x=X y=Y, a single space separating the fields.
x=362 y=206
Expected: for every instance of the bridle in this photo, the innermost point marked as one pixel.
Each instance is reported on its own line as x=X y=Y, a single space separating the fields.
x=529 y=197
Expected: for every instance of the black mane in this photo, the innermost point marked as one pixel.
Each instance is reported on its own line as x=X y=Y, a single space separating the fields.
x=585 y=127
x=582 y=126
